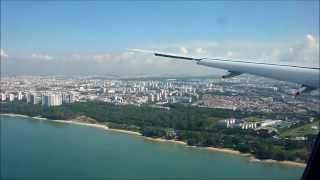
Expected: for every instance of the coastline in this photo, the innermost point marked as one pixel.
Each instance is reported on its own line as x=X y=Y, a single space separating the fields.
x=15 y=115
x=251 y=158
x=161 y=140
x=272 y=161
x=224 y=150
x=100 y=126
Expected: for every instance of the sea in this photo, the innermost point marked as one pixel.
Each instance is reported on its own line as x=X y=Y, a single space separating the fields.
x=43 y=149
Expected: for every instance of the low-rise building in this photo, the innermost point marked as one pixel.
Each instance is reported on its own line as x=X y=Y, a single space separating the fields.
x=269 y=122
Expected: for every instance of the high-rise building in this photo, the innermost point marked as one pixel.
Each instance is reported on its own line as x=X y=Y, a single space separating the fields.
x=51 y=100
x=28 y=97
x=165 y=95
x=33 y=98
x=11 y=97
x=36 y=99
x=3 y=97
x=67 y=98
x=151 y=98
x=45 y=100
x=173 y=99
x=20 y=96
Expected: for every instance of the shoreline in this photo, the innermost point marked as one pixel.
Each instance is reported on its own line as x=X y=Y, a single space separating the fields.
x=272 y=161
x=100 y=126
x=224 y=150
x=161 y=140
x=250 y=157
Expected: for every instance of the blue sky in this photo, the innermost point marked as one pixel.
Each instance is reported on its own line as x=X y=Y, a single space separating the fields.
x=64 y=28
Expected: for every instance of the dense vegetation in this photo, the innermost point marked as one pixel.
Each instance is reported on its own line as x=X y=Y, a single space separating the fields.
x=194 y=125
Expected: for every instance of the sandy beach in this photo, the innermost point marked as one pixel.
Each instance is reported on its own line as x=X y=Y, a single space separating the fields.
x=224 y=150
x=15 y=115
x=231 y=151
x=126 y=131
x=161 y=140
x=82 y=124
x=39 y=118
x=271 y=161
x=101 y=126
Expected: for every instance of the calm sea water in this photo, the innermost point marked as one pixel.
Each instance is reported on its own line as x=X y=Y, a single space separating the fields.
x=33 y=149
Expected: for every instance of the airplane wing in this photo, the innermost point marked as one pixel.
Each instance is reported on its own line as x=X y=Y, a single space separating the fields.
x=308 y=77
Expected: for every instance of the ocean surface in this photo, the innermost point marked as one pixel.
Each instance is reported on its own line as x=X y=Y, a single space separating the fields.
x=34 y=149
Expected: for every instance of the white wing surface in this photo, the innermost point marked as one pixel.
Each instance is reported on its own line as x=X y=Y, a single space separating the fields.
x=306 y=76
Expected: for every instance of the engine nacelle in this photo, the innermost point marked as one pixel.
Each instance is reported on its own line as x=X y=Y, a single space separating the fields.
x=231 y=74
x=302 y=89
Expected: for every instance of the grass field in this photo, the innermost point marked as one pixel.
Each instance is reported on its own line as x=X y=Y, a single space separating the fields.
x=300 y=131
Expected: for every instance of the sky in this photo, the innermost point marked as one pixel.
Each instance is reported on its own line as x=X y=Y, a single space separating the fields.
x=92 y=37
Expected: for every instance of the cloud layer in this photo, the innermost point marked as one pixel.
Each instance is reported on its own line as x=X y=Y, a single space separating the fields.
x=305 y=52
x=124 y=63
x=41 y=56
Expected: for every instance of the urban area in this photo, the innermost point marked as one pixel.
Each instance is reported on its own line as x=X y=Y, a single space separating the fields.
x=240 y=93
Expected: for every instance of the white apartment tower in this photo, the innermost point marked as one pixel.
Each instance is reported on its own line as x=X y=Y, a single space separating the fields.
x=3 y=97
x=11 y=97
x=20 y=96
x=51 y=100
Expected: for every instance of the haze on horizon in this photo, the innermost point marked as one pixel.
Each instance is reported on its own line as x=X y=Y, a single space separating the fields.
x=91 y=38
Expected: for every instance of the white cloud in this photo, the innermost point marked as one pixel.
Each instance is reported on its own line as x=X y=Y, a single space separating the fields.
x=101 y=57
x=200 y=50
x=229 y=54
x=276 y=52
x=290 y=50
x=76 y=56
x=3 y=53
x=305 y=52
x=311 y=41
x=41 y=56
x=184 y=50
